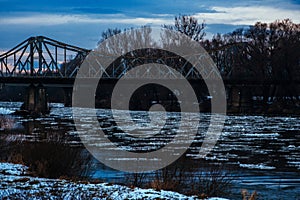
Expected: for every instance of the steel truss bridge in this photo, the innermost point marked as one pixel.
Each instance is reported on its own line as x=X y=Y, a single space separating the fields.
x=41 y=59
x=48 y=61
x=40 y=62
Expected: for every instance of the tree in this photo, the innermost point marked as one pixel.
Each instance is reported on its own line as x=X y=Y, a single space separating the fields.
x=262 y=52
x=109 y=33
x=189 y=26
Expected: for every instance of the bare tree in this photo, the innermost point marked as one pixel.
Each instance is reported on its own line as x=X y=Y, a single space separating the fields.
x=262 y=52
x=189 y=26
x=109 y=33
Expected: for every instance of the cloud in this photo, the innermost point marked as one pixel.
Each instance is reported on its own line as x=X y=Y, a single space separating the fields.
x=82 y=27
x=248 y=15
x=239 y=15
x=58 y=19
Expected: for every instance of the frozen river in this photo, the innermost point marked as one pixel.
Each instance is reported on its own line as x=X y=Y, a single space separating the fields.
x=261 y=153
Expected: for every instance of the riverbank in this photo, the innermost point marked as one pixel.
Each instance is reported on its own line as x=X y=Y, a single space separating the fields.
x=17 y=183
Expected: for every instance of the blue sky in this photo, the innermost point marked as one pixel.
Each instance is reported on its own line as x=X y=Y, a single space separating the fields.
x=80 y=22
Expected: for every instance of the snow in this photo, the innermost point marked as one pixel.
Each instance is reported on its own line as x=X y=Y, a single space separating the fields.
x=257 y=166
x=5 y=111
x=16 y=183
x=12 y=169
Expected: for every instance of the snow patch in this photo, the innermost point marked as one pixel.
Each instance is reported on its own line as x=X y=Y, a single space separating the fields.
x=5 y=111
x=15 y=184
x=12 y=169
x=257 y=166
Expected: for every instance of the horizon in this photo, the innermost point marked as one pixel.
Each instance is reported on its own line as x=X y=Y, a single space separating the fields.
x=81 y=23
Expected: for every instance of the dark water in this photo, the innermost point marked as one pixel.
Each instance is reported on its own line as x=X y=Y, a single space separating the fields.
x=260 y=153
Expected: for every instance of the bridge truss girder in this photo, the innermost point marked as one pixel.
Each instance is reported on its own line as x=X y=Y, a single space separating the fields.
x=44 y=57
x=40 y=56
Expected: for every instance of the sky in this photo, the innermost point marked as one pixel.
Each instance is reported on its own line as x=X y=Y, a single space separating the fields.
x=81 y=22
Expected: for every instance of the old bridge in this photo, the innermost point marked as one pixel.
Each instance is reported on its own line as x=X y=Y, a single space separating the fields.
x=39 y=62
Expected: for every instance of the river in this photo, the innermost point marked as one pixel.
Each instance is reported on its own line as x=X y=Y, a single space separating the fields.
x=260 y=153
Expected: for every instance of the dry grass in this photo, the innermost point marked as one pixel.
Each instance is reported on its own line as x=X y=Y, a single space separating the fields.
x=164 y=185
x=49 y=160
x=16 y=158
x=184 y=178
x=247 y=196
x=7 y=122
x=213 y=181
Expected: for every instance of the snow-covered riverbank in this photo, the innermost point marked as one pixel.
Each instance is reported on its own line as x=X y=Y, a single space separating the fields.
x=16 y=183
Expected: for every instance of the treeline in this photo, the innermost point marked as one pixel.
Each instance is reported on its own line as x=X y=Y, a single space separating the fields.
x=264 y=51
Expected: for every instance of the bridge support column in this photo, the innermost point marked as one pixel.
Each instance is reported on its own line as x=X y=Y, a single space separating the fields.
x=36 y=100
x=68 y=97
x=235 y=97
x=240 y=99
x=246 y=99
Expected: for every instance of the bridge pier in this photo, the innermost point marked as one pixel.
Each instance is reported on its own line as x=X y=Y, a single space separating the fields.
x=68 y=97
x=235 y=97
x=240 y=99
x=36 y=100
